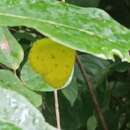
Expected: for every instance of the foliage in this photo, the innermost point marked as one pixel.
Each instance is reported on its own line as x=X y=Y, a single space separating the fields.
x=102 y=45
x=76 y=30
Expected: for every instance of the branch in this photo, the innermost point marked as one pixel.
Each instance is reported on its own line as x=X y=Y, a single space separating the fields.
x=92 y=94
x=57 y=111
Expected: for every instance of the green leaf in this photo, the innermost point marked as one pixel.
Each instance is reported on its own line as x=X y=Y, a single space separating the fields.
x=120 y=66
x=8 y=126
x=92 y=123
x=15 y=109
x=11 y=53
x=10 y=81
x=97 y=68
x=89 y=30
x=71 y=92
x=33 y=80
x=73 y=117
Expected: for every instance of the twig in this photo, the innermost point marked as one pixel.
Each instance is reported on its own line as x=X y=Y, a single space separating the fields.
x=57 y=110
x=92 y=94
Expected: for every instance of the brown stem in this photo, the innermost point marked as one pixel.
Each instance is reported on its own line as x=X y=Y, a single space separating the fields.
x=92 y=94
x=57 y=110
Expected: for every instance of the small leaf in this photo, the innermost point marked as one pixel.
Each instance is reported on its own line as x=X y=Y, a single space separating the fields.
x=16 y=110
x=71 y=92
x=11 y=53
x=10 y=81
x=92 y=123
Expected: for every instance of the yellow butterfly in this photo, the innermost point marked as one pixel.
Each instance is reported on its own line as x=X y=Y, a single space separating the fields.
x=53 y=61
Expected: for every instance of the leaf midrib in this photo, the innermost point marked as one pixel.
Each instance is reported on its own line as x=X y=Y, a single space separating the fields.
x=53 y=23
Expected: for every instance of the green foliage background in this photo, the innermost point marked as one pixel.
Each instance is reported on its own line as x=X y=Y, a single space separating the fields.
x=110 y=78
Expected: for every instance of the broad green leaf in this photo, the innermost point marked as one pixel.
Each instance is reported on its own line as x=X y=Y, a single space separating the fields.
x=8 y=126
x=89 y=30
x=22 y=2
x=16 y=110
x=10 y=81
x=11 y=53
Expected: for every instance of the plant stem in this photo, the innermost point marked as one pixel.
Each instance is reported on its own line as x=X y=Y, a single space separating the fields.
x=57 y=111
x=92 y=94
